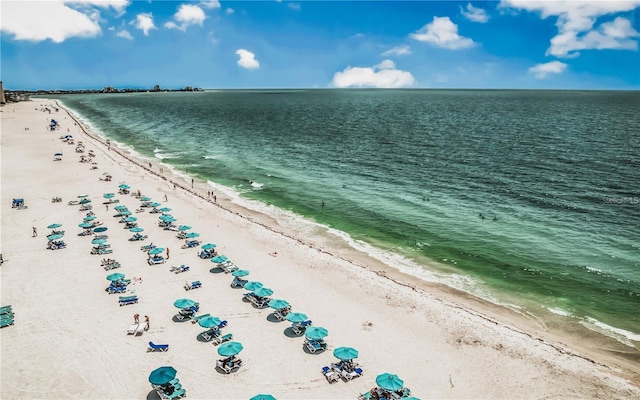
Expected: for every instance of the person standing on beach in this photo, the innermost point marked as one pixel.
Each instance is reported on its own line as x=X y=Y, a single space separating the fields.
x=136 y=318
x=167 y=253
x=35 y=232
x=215 y=199
x=165 y=197
x=146 y=322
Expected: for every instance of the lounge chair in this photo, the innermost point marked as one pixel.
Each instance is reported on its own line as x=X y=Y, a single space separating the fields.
x=116 y=289
x=156 y=260
x=191 y=243
x=365 y=396
x=211 y=333
x=158 y=347
x=349 y=375
x=178 y=394
x=111 y=266
x=148 y=247
x=132 y=328
x=6 y=310
x=228 y=267
x=315 y=345
x=331 y=375
x=238 y=282
x=228 y=365
x=178 y=270
x=281 y=314
x=139 y=330
x=192 y=285
x=136 y=237
x=127 y=300
x=221 y=339
x=185 y=313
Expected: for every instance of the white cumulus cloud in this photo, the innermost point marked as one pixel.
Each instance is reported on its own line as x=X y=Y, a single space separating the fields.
x=442 y=33
x=576 y=20
x=210 y=4
x=124 y=34
x=247 y=59
x=474 y=14
x=187 y=14
x=540 y=71
x=144 y=22
x=398 y=51
x=229 y=10
x=383 y=75
x=54 y=20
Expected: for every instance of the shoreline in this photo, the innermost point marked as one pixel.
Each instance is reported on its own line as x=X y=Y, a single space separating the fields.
x=416 y=308
x=598 y=347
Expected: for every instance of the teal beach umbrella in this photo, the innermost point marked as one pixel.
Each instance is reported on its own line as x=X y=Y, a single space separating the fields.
x=156 y=250
x=192 y=235
x=278 y=304
x=345 y=353
x=84 y=201
x=136 y=229
x=219 y=259
x=85 y=225
x=239 y=273
x=164 y=209
x=209 y=322
x=55 y=236
x=82 y=196
x=130 y=219
x=100 y=229
x=253 y=286
x=108 y=195
x=230 y=349
x=263 y=292
x=184 y=303
x=389 y=382
x=263 y=397
x=162 y=375
x=115 y=277
x=184 y=227
x=98 y=241
x=316 y=332
x=89 y=218
x=296 y=317
x=145 y=198
x=54 y=226
x=208 y=246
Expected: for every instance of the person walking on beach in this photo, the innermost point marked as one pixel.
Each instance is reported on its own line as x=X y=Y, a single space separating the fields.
x=215 y=198
x=165 y=197
x=167 y=253
x=146 y=322
x=107 y=207
x=35 y=232
x=136 y=318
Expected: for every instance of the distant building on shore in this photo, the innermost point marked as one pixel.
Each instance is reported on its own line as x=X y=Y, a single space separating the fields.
x=2 y=99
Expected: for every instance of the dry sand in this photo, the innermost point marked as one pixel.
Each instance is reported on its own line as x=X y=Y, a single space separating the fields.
x=70 y=341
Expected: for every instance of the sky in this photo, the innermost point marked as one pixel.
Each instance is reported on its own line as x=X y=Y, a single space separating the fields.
x=506 y=44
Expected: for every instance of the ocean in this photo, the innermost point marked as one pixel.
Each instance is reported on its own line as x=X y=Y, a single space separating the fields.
x=529 y=199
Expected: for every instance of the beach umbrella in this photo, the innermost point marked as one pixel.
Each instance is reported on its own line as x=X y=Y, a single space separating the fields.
x=145 y=198
x=155 y=204
x=164 y=209
x=166 y=218
x=208 y=246
x=136 y=229
x=411 y=398
x=124 y=186
x=84 y=201
x=162 y=375
x=125 y=212
x=82 y=196
x=156 y=250
x=192 y=235
x=316 y=332
x=389 y=382
x=55 y=236
x=184 y=227
x=219 y=259
x=278 y=304
x=89 y=218
x=54 y=226
x=184 y=303
x=209 y=322
x=98 y=241
x=130 y=219
x=263 y=292
x=85 y=225
x=120 y=208
x=253 y=286
x=230 y=349
x=115 y=277
x=108 y=195
x=296 y=317
x=345 y=353
x=239 y=273
x=100 y=229
x=263 y=397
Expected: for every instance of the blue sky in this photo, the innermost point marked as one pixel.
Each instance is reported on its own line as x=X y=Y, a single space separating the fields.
x=510 y=44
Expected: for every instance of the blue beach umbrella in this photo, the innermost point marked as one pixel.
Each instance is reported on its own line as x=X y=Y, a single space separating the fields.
x=108 y=195
x=125 y=212
x=345 y=353
x=145 y=198
x=164 y=209
x=278 y=304
x=253 y=286
x=219 y=259
x=120 y=208
x=192 y=235
x=162 y=375
x=84 y=201
x=54 y=226
x=156 y=250
x=263 y=397
x=89 y=218
x=389 y=382
x=166 y=218
x=184 y=303
x=230 y=349
x=55 y=236
x=98 y=241
x=100 y=229
x=85 y=225
x=136 y=229
x=184 y=227
x=209 y=246
x=296 y=317
x=124 y=186
x=239 y=273
x=115 y=277
x=263 y=292
x=209 y=322
x=130 y=219
x=155 y=204
x=316 y=332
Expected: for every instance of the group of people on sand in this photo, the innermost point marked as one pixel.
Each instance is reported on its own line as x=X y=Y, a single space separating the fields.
x=136 y=319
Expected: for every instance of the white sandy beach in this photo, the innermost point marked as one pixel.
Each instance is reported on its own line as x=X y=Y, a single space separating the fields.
x=70 y=341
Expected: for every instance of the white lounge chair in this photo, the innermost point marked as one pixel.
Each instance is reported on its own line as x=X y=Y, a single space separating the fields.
x=139 y=329
x=132 y=328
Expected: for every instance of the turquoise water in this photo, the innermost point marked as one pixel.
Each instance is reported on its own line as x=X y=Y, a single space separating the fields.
x=533 y=195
